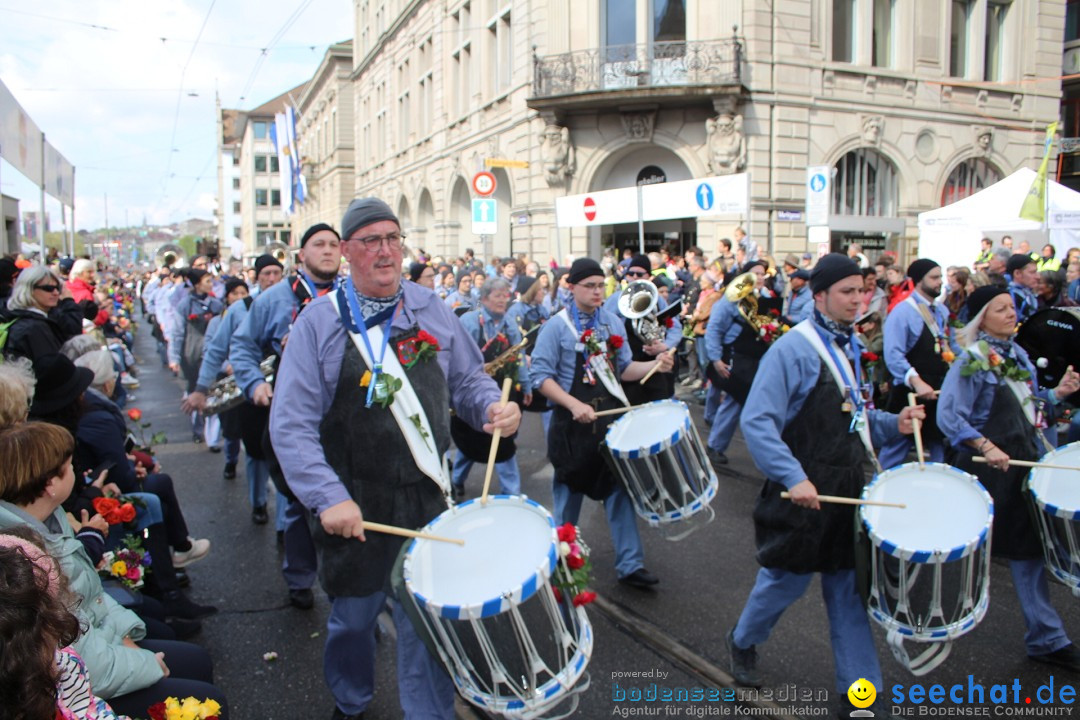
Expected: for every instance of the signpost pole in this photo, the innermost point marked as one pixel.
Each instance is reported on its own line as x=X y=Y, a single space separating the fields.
x=640 y=223
x=41 y=220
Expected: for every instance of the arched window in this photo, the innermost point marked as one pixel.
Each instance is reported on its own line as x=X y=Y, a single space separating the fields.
x=968 y=178
x=865 y=183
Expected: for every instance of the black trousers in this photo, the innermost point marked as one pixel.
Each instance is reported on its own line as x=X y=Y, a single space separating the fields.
x=191 y=674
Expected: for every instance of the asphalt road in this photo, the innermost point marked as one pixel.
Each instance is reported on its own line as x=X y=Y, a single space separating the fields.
x=673 y=636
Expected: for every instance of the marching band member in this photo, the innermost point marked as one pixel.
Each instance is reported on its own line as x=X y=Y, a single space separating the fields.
x=461 y=300
x=917 y=354
x=991 y=405
x=577 y=356
x=1023 y=276
x=812 y=433
x=356 y=365
x=800 y=304
x=195 y=310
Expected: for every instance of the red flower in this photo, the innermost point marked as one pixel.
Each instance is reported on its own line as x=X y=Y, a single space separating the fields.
x=126 y=512
x=193 y=316
x=567 y=533
x=157 y=711
x=870 y=357
x=586 y=335
x=774 y=312
x=668 y=322
x=615 y=341
x=584 y=598
x=557 y=593
x=135 y=414
x=575 y=561
x=105 y=505
x=425 y=336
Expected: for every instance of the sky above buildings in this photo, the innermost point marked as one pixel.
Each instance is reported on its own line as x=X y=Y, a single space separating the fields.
x=124 y=89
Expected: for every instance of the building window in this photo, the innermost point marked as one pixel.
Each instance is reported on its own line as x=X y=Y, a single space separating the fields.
x=669 y=21
x=882 y=42
x=968 y=178
x=236 y=183
x=843 y=29
x=501 y=51
x=1072 y=20
x=236 y=208
x=260 y=197
x=381 y=139
x=461 y=57
x=958 y=37
x=275 y=198
x=285 y=236
x=404 y=108
x=865 y=183
x=259 y=129
x=265 y=237
x=996 y=12
x=260 y=163
x=236 y=159
x=274 y=167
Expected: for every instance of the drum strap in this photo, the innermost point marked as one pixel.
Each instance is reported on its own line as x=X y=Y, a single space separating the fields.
x=924 y=662
x=601 y=367
x=406 y=408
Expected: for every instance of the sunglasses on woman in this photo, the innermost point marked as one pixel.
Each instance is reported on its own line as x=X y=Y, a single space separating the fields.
x=47 y=288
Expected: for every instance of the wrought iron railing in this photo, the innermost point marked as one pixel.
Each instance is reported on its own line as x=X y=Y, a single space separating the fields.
x=622 y=67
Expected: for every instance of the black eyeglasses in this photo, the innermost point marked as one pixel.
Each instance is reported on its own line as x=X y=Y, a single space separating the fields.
x=47 y=288
x=637 y=273
x=372 y=243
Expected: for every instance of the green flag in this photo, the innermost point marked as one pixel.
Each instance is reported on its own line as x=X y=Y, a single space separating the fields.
x=1034 y=207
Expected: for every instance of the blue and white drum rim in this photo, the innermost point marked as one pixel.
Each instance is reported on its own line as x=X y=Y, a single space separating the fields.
x=507 y=598
x=925 y=555
x=689 y=510
x=938 y=634
x=1056 y=509
x=655 y=448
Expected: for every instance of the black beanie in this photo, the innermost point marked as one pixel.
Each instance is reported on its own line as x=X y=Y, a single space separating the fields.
x=830 y=270
x=265 y=260
x=1017 y=262
x=232 y=283
x=584 y=268
x=753 y=264
x=416 y=269
x=641 y=261
x=365 y=211
x=918 y=269
x=977 y=300
x=318 y=227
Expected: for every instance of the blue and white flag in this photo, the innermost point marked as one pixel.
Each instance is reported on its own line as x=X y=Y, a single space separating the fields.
x=299 y=184
x=280 y=135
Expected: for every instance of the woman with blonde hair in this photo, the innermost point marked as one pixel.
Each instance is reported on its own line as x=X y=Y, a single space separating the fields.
x=43 y=312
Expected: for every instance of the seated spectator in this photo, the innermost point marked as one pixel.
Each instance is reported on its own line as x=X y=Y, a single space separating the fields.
x=44 y=314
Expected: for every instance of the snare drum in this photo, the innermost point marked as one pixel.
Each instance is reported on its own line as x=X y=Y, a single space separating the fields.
x=490 y=611
x=930 y=562
x=1057 y=498
x=660 y=459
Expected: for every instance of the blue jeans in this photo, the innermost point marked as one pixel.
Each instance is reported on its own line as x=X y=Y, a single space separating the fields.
x=774 y=591
x=509 y=475
x=713 y=398
x=424 y=689
x=723 y=426
x=300 y=563
x=895 y=451
x=232 y=450
x=1045 y=631
x=629 y=553
x=258 y=475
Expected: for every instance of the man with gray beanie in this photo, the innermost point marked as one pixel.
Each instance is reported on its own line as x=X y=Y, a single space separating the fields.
x=361 y=425
x=811 y=432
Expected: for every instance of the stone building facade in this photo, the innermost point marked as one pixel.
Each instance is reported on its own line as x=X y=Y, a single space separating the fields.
x=911 y=103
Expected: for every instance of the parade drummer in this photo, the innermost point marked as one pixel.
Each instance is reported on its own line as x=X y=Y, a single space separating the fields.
x=580 y=358
x=461 y=300
x=661 y=385
x=991 y=405
x=727 y=334
x=360 y=424
x=812 y=433
x=262 y=334
x=495 y=334
x=918 y=351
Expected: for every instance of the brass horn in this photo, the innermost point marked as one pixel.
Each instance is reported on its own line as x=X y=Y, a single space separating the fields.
x=741 y=292
x=170 y=256
x=638 y=299
x=280 y=251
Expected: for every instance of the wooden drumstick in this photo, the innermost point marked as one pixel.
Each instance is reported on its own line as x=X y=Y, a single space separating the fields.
x=917 y=425
x=616 y=411
x=495 y=442
x=1030 y=464
x=656 y=366
x=404 y=532
x=849 y=501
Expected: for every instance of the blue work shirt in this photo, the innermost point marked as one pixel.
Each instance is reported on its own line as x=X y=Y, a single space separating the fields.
x=787 y=374
x=308 y=379
x=800 y=305
x=557 y=353
x=260 y=332
x=722 y=329
x=218 y=338
x=455 y=300
x=673 y=334
x=1024 y=299
x=964 y=404
x=188 y=305
x=491 y=327
x=903 y=326
x=520 y=314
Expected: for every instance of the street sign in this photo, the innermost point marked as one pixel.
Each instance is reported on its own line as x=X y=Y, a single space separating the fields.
x=483 y=183
x=606 y=207
x=789 y=215
x=485 y=215
x=818 y=194
x=704 y=196
x=589 y=206
x=505 y=163
x=720 y=195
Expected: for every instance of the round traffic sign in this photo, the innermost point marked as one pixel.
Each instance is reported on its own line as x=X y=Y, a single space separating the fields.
x=483 y=183
x=590 y=209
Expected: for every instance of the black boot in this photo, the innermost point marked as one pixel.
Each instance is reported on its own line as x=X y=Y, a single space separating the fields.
x=178 y=605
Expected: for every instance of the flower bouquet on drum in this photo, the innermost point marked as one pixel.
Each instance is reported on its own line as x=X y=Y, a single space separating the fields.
x=572 y=572
x=128 y=564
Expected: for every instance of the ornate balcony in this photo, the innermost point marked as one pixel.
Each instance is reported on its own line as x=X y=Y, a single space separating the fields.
x=607 y=75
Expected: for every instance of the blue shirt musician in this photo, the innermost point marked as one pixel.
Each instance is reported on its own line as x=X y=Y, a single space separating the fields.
x=800 y=304
x=1023 y=275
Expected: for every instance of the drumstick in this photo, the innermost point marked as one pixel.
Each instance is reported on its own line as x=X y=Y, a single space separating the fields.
x=1030 y=464
x=616 y=411
x=404 y=532
x=495 y=443
x=656 y=366
x=917 y=425
x=849 y=501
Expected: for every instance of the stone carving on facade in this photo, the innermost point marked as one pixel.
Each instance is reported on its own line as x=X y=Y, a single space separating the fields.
x=557 y=154
x=638 y=126
x=984 y=139
x=871 y=128
x=726 y=144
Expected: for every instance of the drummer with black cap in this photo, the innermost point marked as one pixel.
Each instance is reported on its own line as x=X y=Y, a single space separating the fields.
x=580 y=357
x=993 y=379
x=918 y=351
x=1023 y=276
x=422 y=274
x=812 y=433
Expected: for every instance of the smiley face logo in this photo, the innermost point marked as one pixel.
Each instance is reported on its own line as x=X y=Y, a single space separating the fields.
x=862 y=693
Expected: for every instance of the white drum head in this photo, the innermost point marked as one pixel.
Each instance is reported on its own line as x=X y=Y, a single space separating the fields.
x=947 y=516
x=509 y=553
x=649 y=429
x=1058 y=490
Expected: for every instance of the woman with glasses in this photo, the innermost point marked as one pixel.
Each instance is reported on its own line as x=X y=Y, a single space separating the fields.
x=43 y=312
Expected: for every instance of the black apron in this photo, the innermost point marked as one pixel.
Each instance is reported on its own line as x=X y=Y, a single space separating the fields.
x=194 y=339
x=367 y=450
x=476 y=444
x=744 y=357
x=1015 y=536
x=797 y=539
x=661 y=386
x=574 y=448
x=932 y=369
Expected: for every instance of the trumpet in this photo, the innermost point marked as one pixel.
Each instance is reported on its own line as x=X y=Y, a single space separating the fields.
x=225 y=394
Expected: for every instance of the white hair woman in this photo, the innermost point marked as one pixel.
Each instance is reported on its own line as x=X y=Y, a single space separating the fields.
x=994 y=378
x=44 y=314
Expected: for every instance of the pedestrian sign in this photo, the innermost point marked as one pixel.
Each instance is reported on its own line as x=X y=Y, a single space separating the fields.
x=704 y=196
x=818 y=196
x=484 y=216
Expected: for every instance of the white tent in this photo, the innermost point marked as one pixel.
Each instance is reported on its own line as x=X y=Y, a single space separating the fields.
x=950 y=235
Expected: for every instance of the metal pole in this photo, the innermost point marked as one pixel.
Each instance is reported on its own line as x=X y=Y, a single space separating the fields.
x=640 y=223
x=72 y=212
x=41 y=220
x=108 y=240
